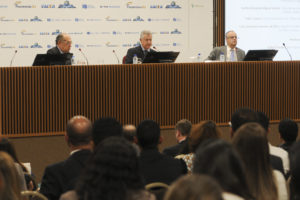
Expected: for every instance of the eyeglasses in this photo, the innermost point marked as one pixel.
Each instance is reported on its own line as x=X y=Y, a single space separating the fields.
x=67 y=42
x=233 y=37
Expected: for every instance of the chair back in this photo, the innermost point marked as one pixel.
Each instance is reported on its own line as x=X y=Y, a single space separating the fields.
x=33 y=195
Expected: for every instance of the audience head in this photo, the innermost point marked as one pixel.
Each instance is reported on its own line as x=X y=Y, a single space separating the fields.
x=251 y=143
x=64 y=42
x=263 y=120
x=184 y=126
x=231 y=39
x=79 y=131
x=201 y=132
x=111 y=172
x=295 y=171
x=9 y=178
x=194 y=187
x=104 y=128
x=129 y=132
x=146 y=39
x=288 y=130
x=219 y=160
x=242 y=116
x=148 y=134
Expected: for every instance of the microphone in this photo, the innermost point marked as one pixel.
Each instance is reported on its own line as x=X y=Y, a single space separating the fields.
x=12 y=59
x=287 y=51
x=87 y=62
x=154 y=47
x=116 y=56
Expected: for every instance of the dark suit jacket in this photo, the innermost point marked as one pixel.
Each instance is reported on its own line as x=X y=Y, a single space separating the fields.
x=157 y=167
x=67 y=56
x=176 y=149
x=276 y=163
x=135 y=50
x=215 y=53
x=61 y=177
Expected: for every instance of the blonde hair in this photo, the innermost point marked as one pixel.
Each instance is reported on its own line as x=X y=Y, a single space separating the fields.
x=9 y=178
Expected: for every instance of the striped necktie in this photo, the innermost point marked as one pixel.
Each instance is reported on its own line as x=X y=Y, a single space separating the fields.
x=232 y=57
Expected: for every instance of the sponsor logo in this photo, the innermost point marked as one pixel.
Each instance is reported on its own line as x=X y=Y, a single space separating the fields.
x=164 y=32
x=3 y=19
x=94 y=20
x=126 y=20
x=108 y=44
x=47 y=6
x=109 y=6
x=49 y=46
x=158 y=20
x=176 y=31
x=138 y=19
x=197 y=6
x=126 y=45
x=156 y=6
x=136 y=44
x=93 y=45
x=79 y=20
x=56 y=32
x=75 y=33
x=130 y=5
x=162 y=45
x=116 y=33
x=3 y=6
x=108 y=18
x=87 y=6
x=66 y=5
x=176 y=44
x=93 y=33
x=172 y=5
x=19 y=4
x=8 y=33
x=176 y=19
x=36 y=45
x=44 y=33
x=79 y=46
x=35 y=19
x=105 y=33
x=4 y=46
x=132 y=33
x=24 y=32
x=58 y=20
x=23 y=20
x=23 y=46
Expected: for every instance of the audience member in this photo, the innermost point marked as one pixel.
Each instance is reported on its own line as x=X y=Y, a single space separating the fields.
x=156 y=167
x=129 y=133
x=112 y=173
x=201 y=132
x=288 y=130
x=105 y=127
x=194 y=187
x=7 y=146
x=218 y=159
x=182 y=131
x=251 y=142
x=9 y=178
x=295 y=171
x=245 y=115
x=61 y=177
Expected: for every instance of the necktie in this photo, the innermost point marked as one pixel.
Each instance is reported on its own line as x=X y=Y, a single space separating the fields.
x=145 y=53
x=232 y=57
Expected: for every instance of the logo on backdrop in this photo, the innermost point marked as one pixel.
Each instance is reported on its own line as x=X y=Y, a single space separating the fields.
x=109 y=6
x=23 y=46
x=93 y=45
x=158 y=20
x=108 y=44
x=176 y=31
x=3 y=6
x=36 y=45
x=173 y=5
x=117 y=33
x=24 y=32
x=4 y=19
x=130 y=5
x=79 y=20
x=138 y=19
x=176 y=19
x=66 y=5
x=47 y=6
x=4 y=46
x=156 y=6
x=87 y=6
x=19 y=4
x=35 y=19
x=108 y=18
x=8 y=33
x=175 y=44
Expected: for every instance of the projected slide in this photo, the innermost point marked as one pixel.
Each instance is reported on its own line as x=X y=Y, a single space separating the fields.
x=266 y=24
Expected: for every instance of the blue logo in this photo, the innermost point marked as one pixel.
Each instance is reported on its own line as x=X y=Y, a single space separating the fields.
x=105 y=33
x=158 y=20
x=3 y=19
x=24 y=32
x=176 y=31
x=79 y=46
x=56 y=32
x=66 y=5
x=116 y=33
x=44 y=33
x=126 y=45
x=176 y=44
x=18 y=4
x=126 y=20
x=108 y=18
x=36 y=45
x=75 y=33
x=8 y=33
x=86 y=6
x=94 y=20
x=164 y=32
x=156 y=6
x=162 y=45
x=132 y=33
x=35 y=19
x=93 y=45
x=176 y=19
x=138 y=19
x=3 y=46
x=108 y=44
x=58 y=20
x=129 y=5
x=173 y=5
x=23 y=20
x=49 y=46
x=109 y=6
x=47 y=6
x=136 y=44
x=23 y=46
x=79 y=20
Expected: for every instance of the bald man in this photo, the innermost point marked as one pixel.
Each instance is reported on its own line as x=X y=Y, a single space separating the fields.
x=61 y=177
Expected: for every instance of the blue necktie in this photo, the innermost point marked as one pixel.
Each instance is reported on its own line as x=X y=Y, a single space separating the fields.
x=232 y=58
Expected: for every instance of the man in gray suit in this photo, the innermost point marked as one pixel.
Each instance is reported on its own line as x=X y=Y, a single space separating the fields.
x=230 y=52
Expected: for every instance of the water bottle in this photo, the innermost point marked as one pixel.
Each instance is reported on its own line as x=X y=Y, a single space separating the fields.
x=135 y=59
x=199 y=57
x=73 y=60
x=222 y=57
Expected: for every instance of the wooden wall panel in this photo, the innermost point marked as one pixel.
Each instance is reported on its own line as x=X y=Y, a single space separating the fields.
x=37 y=101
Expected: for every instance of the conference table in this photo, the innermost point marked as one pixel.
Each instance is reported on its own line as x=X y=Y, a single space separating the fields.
x=39 y=100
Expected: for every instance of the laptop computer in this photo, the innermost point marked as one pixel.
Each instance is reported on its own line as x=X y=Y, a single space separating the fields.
x=260 y=55
x=50 y=59
x=161 y=57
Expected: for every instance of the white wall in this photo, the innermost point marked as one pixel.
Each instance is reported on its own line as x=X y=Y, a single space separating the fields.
x=100 y=26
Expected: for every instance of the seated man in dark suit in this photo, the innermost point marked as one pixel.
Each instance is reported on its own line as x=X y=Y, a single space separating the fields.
x=63 y=45
x=156 y=167
x=141 y=50
x=61 y=177
x=182 y=131
x=230 y=51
